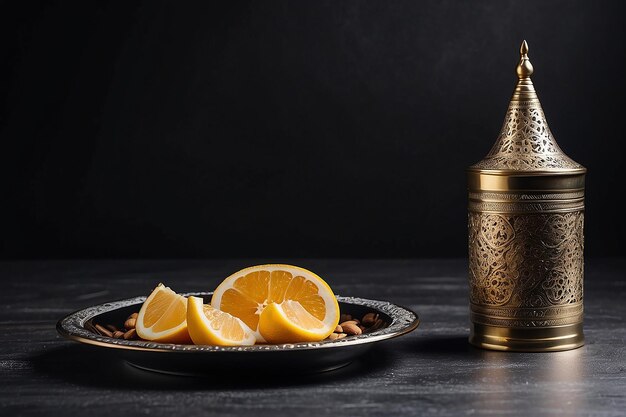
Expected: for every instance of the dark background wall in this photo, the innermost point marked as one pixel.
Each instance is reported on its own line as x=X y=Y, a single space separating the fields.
x=325 y=128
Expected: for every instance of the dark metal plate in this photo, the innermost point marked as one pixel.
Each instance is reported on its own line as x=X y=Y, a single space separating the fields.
x=204 y=360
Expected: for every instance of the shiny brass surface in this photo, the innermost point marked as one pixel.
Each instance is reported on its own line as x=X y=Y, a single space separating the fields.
x=525 y=143
x=525 y=224
x=547 y=339
x=537 y=181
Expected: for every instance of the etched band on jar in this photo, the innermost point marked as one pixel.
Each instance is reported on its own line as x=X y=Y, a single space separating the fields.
x=528 y=263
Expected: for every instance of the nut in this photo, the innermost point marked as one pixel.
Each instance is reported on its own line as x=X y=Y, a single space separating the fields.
x=341 y=335
x=351 y=328
x=130 y=323
x=111 y=328
x=118 y=334
x=349 y=322
x=131 y=334
x=345 y=317
x=332 y=336
x=133 y=316
x=369 y=319
x=103 y=330
x=338 y=329
x=377 y=324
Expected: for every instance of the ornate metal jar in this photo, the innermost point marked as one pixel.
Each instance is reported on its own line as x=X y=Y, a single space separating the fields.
x=526 y=212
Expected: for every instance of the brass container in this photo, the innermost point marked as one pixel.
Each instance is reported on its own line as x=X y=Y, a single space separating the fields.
x=526 y=213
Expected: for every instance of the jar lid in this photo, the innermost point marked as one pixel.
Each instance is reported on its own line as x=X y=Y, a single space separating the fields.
x=526 y=145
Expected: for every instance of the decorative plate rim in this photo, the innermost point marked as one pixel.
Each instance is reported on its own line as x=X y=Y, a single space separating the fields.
x=72 y=326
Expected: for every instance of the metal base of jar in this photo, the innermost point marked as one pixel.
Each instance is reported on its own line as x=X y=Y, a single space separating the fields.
x=545 y=339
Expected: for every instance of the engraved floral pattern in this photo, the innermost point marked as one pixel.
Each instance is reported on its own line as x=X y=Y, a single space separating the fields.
x=526 y=261
x=526 y=142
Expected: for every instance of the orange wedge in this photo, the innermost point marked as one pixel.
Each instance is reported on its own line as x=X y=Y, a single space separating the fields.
x=209 y=326
x=163 y=317
x=289 y=322
x=247 y=293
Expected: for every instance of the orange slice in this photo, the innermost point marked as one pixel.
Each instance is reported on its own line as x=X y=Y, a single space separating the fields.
x=163 y=317
x=289 y=322
x=209 y=326
x=245 y=294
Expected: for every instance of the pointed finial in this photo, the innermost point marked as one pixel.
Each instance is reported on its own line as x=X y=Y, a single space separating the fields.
x=524 y=68
x=523 y=50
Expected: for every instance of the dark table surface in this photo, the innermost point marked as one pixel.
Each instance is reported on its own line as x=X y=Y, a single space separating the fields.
x=432 y=371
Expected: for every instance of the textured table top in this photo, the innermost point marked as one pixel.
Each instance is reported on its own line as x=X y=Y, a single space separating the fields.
x=431 y=372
